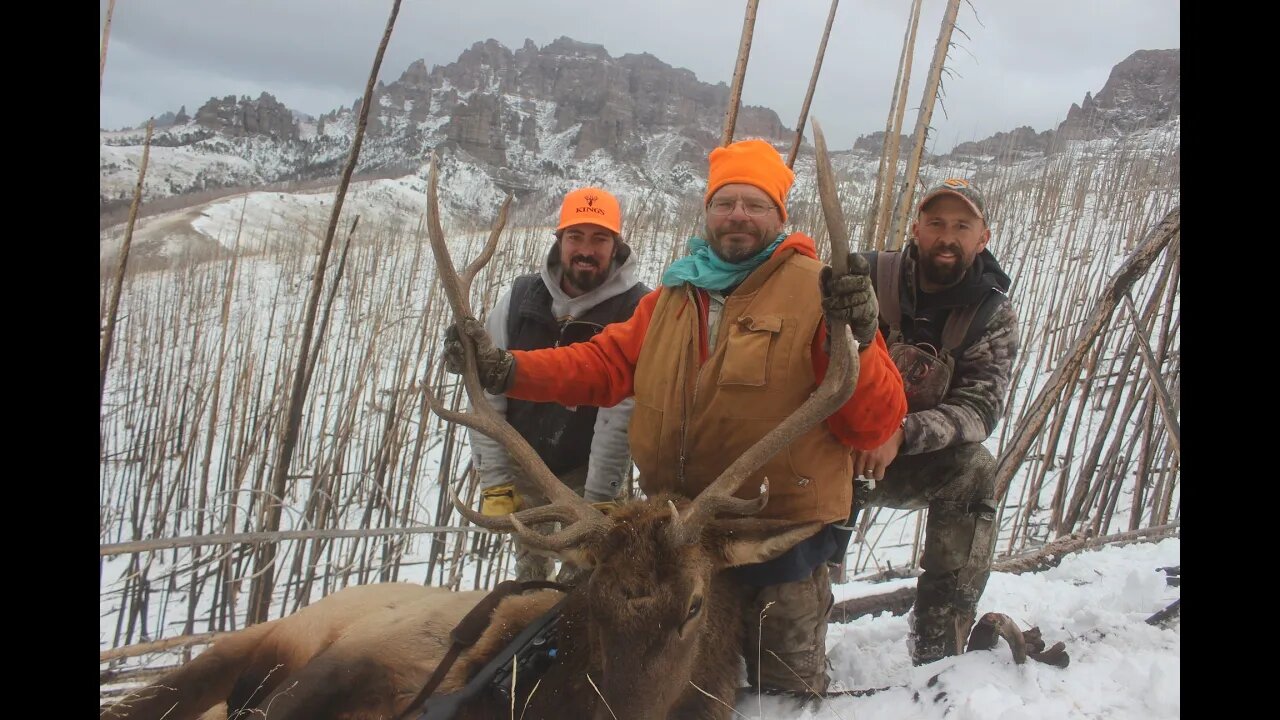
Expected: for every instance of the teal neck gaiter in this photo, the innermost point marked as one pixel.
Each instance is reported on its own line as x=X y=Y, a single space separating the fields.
x=704 y=269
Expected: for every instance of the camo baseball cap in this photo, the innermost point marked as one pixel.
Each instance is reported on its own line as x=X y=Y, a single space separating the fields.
x=966 y=190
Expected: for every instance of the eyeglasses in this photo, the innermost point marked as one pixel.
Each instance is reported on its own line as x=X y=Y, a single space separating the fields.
x=576 y=331
x=725 y=206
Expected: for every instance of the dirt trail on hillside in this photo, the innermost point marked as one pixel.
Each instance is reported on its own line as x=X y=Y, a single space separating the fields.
x=160 y=243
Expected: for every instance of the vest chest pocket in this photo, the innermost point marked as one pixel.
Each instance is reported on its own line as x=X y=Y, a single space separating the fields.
x=747 y=350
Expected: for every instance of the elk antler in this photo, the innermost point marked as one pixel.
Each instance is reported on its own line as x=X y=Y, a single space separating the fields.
x=581 y=519
x=836 y=387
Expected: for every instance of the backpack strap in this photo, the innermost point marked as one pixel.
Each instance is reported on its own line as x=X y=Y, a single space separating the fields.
x=957 y=327
x=961 y=321
x=887 y=273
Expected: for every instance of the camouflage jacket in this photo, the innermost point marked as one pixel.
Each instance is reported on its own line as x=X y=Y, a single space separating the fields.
x=975 y=400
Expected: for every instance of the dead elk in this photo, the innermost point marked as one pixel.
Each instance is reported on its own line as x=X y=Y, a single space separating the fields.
x=655 y=620
x=654 y=632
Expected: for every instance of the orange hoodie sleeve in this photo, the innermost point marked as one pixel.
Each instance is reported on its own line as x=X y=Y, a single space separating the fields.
x=878 y=404
x=598 y=372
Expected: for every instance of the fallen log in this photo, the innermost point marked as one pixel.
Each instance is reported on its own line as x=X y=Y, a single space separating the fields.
x=166 y=644
x=900 y=601
x=1051 y=554
x=897 y=602
x=1167 y=614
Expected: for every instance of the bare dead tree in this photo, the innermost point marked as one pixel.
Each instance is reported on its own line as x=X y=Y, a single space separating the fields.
x=260 y=594
x=921 y=133
x=882 y=201
x=1168 y=412
x=106 y=33
x=813 y=83
x=739 y=72
x=1157 y=238
x=104 y=357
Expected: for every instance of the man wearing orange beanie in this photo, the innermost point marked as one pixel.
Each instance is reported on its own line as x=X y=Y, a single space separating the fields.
x=587 y=281
x=734 y=341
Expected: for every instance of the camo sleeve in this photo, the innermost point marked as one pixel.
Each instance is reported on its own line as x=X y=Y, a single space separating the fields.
x=979 y=387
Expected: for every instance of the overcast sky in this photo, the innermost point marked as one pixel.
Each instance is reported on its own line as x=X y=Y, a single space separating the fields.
x=1017 y=62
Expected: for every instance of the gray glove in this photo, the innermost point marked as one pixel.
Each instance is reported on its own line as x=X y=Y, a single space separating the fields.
x=852 y=299
x=497 y=366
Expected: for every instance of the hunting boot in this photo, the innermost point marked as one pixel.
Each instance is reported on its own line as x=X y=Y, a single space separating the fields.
x=959 y=537
x=529 y=564
x=786 y=635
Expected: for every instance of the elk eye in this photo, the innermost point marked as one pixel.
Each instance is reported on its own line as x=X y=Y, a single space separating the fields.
x=695 y=607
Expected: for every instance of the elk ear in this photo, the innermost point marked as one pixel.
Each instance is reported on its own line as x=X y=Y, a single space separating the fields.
x=743 y=541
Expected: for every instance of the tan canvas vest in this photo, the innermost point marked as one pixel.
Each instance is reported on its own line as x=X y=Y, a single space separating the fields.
x=690 y=423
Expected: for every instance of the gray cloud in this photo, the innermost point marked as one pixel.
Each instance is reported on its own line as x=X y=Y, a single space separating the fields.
x=1019 y=62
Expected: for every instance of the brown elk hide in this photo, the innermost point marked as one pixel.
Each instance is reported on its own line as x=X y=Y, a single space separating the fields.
x=386 y=637
x=366 y=651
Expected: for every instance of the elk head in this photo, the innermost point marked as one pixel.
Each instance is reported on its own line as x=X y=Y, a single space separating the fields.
x=663 y=624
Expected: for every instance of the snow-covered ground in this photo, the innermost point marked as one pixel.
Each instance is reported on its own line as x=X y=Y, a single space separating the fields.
x=1096 y=602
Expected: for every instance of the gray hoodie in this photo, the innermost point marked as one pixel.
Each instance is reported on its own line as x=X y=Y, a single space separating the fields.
x=610 y=451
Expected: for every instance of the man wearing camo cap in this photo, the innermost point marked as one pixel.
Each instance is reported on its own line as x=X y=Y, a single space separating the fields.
x=953 y=334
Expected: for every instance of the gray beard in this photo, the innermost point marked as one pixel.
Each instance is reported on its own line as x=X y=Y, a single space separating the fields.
x=713 y=241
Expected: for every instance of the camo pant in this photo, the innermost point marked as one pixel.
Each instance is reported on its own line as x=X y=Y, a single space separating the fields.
x=956 y=484
x=786 y=634
x=530 y=565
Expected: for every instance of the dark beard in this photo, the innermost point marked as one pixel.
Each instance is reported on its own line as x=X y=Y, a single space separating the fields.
x=585 y=280
x=942 y=275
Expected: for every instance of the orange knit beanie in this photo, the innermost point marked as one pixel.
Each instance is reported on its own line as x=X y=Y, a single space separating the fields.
x=753 y=162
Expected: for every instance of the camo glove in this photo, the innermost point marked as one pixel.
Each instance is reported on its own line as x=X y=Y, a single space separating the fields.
x=851 y=298
x=497 y=366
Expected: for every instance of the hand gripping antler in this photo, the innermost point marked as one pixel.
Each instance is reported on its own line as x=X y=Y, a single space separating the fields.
x=836 y=387
x=581 y=519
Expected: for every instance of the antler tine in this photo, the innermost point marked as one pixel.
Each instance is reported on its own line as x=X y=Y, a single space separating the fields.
x=482 y=417
x=837 y=231
x=487 y=252
x=686 y=530
x=566 y=538
x=542 y=513
x=836 y=387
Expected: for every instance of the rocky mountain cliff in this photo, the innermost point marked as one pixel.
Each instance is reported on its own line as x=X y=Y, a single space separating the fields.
x=558 y=114
x=536 y=121
x=498 y=105
x=265 y=116
x=1142 y=91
